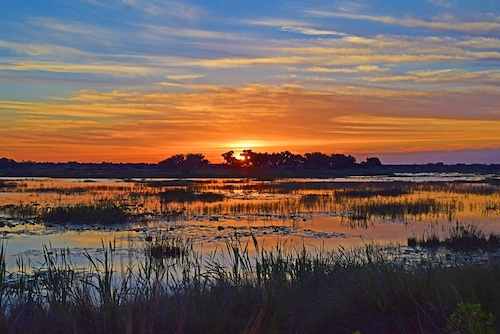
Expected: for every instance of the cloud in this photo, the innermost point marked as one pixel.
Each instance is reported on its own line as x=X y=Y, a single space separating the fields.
x=352 y=119
x=441 y=3
x=72 y=32
x=170 y=8
x=185 y=76
x=41 y=49
x=186 y=33
x=238 y=62
x=480 y=43
x=311 y=31
x=450 y=24
x=273 y=22
x=67 y=27
x=444 y=76
x=109 y=68
x=348 y=70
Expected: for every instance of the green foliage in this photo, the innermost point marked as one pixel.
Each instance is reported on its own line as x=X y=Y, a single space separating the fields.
x=471 y=318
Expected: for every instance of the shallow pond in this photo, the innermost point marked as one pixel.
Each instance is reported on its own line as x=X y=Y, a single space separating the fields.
x=318 y=213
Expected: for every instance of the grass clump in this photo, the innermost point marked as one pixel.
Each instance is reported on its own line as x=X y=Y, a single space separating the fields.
x=164 y=247
x=185 y=195
x=102 y=213
x=460 y=237
x=396 y=209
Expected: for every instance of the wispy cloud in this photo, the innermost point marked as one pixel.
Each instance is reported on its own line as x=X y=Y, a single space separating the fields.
x=185 y=76
x=66 y=27
x=450 y=24
x=441 y=3
x=62 y=67
x=237 y=62
x=306 y=120
x=165 y=76
x=443 y=76
x=154 y=31
x=480 y=43
x=170 y=8
x=311 y=31
x=41 y=49
x=348 y=70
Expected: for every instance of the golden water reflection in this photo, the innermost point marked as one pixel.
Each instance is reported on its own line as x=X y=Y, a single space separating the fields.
x=317 y=213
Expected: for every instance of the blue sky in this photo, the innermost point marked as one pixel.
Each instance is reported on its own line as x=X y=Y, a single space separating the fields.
x=133 y=80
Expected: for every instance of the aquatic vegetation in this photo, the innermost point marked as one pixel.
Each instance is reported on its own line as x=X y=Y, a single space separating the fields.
x=22 y=210
x=102 y=213
x=162 y=246
x=402 y=209
x=366 y=191
x=470 y=237
x=5 y=185
x=460 y=237
x=184 y=195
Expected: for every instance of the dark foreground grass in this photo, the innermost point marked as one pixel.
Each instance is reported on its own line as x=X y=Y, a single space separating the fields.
x=275 y=291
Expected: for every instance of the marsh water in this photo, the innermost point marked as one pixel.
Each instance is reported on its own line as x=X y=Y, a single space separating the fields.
x=316 y=213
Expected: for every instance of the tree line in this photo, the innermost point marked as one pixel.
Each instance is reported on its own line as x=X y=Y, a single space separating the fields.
x=285 y=159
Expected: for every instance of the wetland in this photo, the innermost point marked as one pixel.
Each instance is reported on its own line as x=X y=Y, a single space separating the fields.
x=109 y=247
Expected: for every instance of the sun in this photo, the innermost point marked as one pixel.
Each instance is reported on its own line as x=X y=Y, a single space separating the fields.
x=239 y=157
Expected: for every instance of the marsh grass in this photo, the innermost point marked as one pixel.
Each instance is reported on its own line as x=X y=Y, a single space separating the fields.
x=22 y=210
x=245 y=288
x=186 y=195
x=402 y=209
x=6 y=185
x=186 y=199
x=102 y=213
x=460 y=237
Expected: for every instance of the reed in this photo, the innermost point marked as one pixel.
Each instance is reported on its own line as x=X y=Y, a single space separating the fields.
x=245 y=288
x=460 y=237
x=403 y=209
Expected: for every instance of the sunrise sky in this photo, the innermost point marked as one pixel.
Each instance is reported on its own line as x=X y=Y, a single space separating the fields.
x=140 y=80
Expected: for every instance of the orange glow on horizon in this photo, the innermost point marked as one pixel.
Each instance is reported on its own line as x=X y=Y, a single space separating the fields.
x=122 y=127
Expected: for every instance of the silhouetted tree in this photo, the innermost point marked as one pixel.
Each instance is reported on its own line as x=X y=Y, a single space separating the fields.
x=7 y=163
x=248 y=158
x=229 y=158
x=196 y=160
x=341 y=161
x=174 y=161
x=371 y=162
x=316 y=160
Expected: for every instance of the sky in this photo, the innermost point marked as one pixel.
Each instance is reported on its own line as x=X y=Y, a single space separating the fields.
x=141 y=80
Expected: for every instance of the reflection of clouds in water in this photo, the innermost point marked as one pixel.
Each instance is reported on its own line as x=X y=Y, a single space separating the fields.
x=299 y=209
